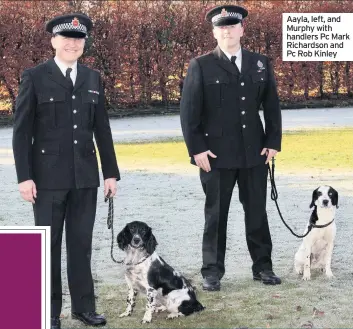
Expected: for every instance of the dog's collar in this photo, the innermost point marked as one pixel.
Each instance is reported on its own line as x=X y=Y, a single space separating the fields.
x=139 y=262
x=312 y=224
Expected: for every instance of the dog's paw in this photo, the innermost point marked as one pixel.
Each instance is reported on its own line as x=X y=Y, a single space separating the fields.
x=126 y=313
x=147 y=318
x=173 y=315
x=329 y=274
x=160 y=309
x=298 y=270
x=306 y=277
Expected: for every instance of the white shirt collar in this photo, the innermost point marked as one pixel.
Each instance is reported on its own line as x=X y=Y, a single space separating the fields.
x=238 y=59
x=63 y=67
x=238 y=54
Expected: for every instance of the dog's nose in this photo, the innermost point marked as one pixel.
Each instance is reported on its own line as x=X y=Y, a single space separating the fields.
x=136 y=240
x=325 y=202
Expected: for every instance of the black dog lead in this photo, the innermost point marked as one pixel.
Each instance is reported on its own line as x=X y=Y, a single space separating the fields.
x=274 y=197
x=110 y=223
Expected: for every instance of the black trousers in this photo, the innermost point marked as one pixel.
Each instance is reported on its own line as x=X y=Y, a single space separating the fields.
x=218 y=185
x=78 y=208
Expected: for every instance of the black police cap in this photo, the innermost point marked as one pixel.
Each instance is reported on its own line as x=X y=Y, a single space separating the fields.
x=226 y=15
x=71 y=25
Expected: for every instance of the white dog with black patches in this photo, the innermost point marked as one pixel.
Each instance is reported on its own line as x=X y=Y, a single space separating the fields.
x=146 y=272
x=315 y=252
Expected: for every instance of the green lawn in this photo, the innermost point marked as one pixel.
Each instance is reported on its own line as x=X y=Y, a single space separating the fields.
x=326 y=149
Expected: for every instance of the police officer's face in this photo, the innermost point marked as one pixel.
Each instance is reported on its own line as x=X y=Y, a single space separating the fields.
x=68 y=49
x=228 y=36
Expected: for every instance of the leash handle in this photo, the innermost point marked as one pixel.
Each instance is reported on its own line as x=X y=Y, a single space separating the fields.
x=110 y=223
x=106 y=198
x=110 y=209
x=274 y=194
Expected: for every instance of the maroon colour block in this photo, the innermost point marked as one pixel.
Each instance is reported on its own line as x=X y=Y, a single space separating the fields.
x=20 y=280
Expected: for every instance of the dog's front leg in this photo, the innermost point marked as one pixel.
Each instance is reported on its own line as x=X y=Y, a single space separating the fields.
x=329 y=251
x=151 y=305
x=307 y=261
x=131 y=299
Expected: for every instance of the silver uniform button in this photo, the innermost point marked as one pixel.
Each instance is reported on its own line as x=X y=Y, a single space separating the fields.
x=206 y=134
x=75 y=141
x=43 y=151
x=243 y=112
x=217 y=81
x=75 y=111
x=51 y=99
x=243 y=98
x=73 y=96
x=244 y=126
x=242 y=84
x=262 y=78
x=93 y=100
x=75 y=126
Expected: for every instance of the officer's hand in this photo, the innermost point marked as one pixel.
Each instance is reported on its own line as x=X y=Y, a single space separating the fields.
x=110 y=184
x=28 y=190
x=270 y=154
x=202 y=162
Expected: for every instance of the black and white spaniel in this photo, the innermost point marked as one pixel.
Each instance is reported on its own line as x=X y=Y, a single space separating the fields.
x=315 y=251
x=146 y=272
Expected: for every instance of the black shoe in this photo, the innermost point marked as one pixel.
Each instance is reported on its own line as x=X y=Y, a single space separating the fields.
x=267 y=277
x=55 y=323
x=90 y=318
x=211 y=283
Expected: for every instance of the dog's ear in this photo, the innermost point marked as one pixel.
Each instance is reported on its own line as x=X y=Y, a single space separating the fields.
x=334 y=197
x=313 y=217
x=124 y=238
x=151 y=243
x=314 y=198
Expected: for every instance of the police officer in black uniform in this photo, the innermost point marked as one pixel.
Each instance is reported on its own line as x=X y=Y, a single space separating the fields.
x=60 y=106
x=224 y=135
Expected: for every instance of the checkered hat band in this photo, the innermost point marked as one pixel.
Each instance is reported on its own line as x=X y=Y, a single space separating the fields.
x=228 y=14
x=69 y=26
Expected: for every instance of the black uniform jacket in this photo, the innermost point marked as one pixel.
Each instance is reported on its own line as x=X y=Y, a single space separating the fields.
x=220 y=109
x=54 y=126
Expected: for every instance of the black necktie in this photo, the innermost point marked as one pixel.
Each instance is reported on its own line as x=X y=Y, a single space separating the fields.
x=232 y=59
x=67 y=76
